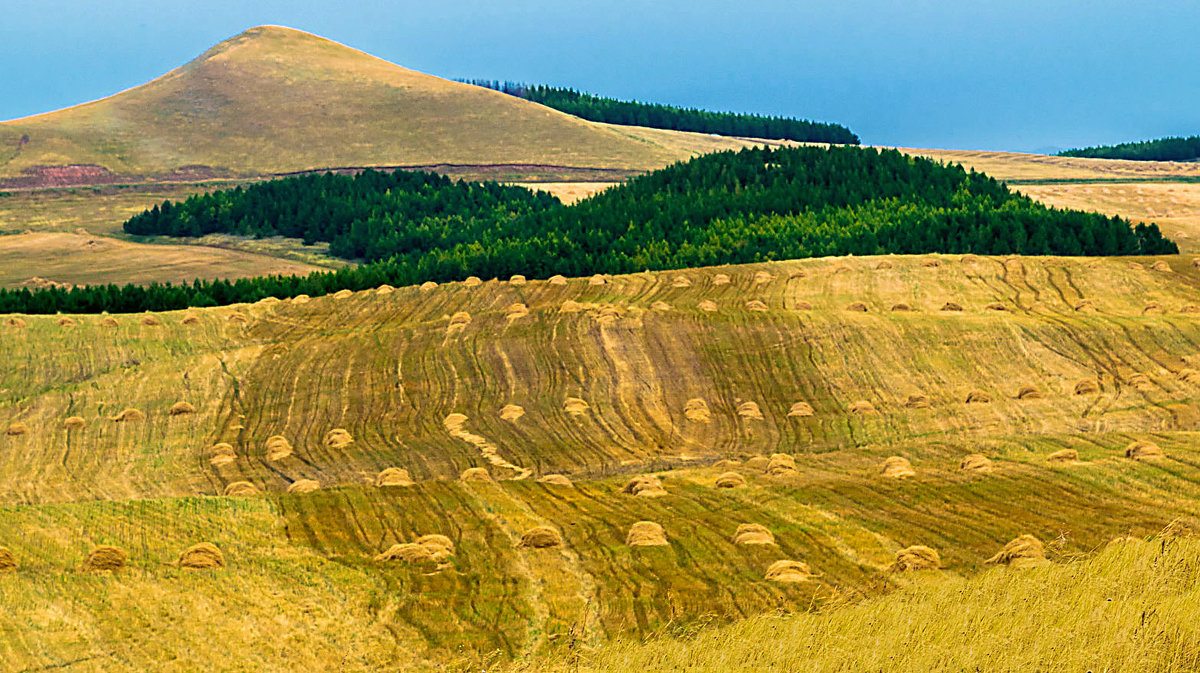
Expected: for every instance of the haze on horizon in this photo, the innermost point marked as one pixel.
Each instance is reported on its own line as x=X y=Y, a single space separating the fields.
x=1020 y=75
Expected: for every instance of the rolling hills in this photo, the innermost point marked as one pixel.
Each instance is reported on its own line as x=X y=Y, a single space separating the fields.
x=600 y=380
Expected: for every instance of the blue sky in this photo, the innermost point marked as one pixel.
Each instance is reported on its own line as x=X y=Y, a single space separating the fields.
x=977 y=74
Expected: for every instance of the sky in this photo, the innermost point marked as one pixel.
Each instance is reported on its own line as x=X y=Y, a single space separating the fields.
x=1019 y=75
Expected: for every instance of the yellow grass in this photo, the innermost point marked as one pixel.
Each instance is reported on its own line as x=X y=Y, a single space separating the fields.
x=1175 y=207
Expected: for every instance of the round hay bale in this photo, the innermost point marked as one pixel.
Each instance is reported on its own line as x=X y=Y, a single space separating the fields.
x=707 y=306
x=458 y=322
x=384 y=289
x=597 y=279
x=750 y=411
x=978 y=397
x=1196 y=263
x=1024 y=552
x=393 y=476
x=558 y=280
x=1136 y=266
x=304 y=486
x=1063 y=456
x=16 y=322
x=1188 y=375
x=660 y=306
x=105 y=558
x=753 y=534
x=74 y=422
x=857 y=307
x=796 y=274
x=931 y=262
x=181 y=408
x=472 y=281
x=239 y=489
x=1152 y=307
x=16 y=429
x=1141 y=381
x=301 y=299
x=1087 y=387
x=917 y=401
x=789 y=572
x=571 y=306
x=645 y=486
x=511 y=412
x=756 y=305
x=338 y=438
x=801 y=410
x=516 y=279
x=129 y=415
x=556 y=480
x=278 y=448
x=646 y=534
x=541 y=537
x=901 y=307
x=720 y=279
x=343 y=294
x=237 y=319
x=222 y=454
x=762 y=277
x=968 y=259
x=454 y=422
x=802 y=306
x=108 y=321
x=916 y=557
x=681 y=281
x=66 y=322
x=758 y=463
x=883 y=265
x=781 y=465
x=515 y=311
x=1161 y=265
x=976 y=462
x=1141 y=450
x=696 y=410
x=897 y=467
x=1190 y=308
x=1029 y=393
x=952 y=306
x=608 y=315
x=996 y=306
x=730 y=480
x=727 y=463
x=575 y=406
x=151 y=321
x=8 y=560
x=862 y=407
x=475 y=474
x=839 y=269
x=408 y=552
x=202 y=556
x=428 y=285
x=439 y=546
x=1084 y=305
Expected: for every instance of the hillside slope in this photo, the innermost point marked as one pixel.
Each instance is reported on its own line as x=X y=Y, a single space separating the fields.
x=600 y=381
x=275 y=100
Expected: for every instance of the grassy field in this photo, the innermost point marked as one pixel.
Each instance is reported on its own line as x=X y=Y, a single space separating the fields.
x=1174 y=206
x=390 y=370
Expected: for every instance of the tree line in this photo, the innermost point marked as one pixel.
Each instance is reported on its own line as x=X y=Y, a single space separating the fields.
x=754 y=205
x=654 y=115
x=1162 y=149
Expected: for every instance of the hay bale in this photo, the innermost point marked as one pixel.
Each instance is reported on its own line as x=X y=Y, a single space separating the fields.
x=1141 y=381
x=781 y=465
x=151 y=321
x=202 y=556
x=707 y=306
x=516 y=311
x=475 y=474
x=978 y=397
x=511 y=412
x=1142 y=450
x=74 y=423
x=1188 y=375
x=393 y=477
x=976 y=462
x=337 y=438
x=931 y=262
x=901 y=307
x=555 y=480
x=541 y=537
x=968 y=259
x=8 y=560
x=862 y=407
x=343 y=294
x=181 y=408
x=558 y=280
x=428 y=285
x=516 y=279
x=571 y=306
x=472 y=281
x=1024 y=552
x=916 y=557
x=801 y=410
x=66 y=322
x=16 y=429
x=762 y=278
x=645 y=486
x=597 y=279
x=897 y=467
x=696 y=410
x=301 y=299
x=660 y=306
x=221 y=454
x=1152 y=307
x=458 y=322
x=753 y=534
x=1190 y=308
x=758 y=463
x=720 y=279
x=408 y=552
x=304 y=486
x=239 y=489
x=608 y=315
x=750 y=410
x=1063 y=456
x=646 y=534
x=105 y=558
x=727 y=463
x=278 y=448
x=839 y=269
x=1029 y=393
x=789 y=572
x=996 y=306
x=730 y=480
x=1087 y=387
x=129 y=415
x=237 y=319
x=917 y=401
x=1136 y=266
x=384 y=289
x=883 y=265
x=952 y=306
x=108 y=321
x=439 y=546
x=575 y=406
x=802 y=306
x=796 y=274
x=16 y=322
x=1084 y=305
x=681 y=281
x=756 y=305
x=857 y=307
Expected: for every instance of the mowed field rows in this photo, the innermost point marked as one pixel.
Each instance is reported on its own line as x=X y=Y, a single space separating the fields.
x=683 y=375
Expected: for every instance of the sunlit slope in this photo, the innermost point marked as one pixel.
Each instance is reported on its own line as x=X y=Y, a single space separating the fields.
x=389 y=369
x=275 y=99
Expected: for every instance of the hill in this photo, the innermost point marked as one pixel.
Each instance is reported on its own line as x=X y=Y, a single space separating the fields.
x=599 y=380
x=274 y=100
x=1162 y=149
